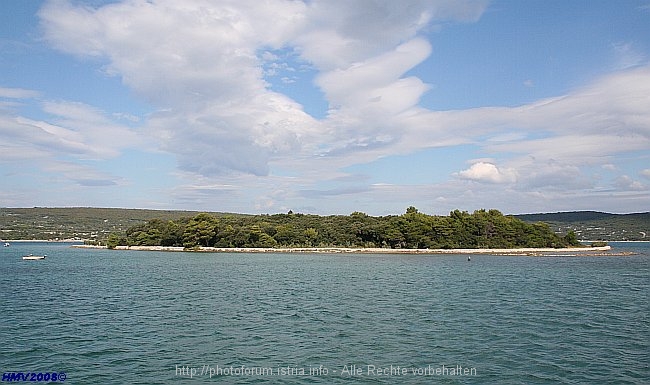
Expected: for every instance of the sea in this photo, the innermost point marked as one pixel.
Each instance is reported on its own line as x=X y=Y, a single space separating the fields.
x=93 y=316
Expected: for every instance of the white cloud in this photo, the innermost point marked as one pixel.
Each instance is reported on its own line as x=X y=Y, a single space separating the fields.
x=18 y=93
x=63 y=146
x=82 y=175
x=198 y=62
x=547 y=142
x=202 y=65
x=624 y=182
x=645 y=173
x=91 y=128
x=487 y=172
x=553 y=175
x=374 y=88
x=176 y=53
x=341 y=33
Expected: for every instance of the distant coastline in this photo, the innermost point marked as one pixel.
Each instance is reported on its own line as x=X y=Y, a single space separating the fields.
x=586 y=251
x=43 y=240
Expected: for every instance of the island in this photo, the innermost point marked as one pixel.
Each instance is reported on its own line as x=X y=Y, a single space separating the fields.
x=590 y=251
x=411 y=232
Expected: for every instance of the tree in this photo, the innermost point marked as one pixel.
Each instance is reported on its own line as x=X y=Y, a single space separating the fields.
x=571 y=239
x=200 y=231
x=114 y=239
x=311 y=234
x=413 y=229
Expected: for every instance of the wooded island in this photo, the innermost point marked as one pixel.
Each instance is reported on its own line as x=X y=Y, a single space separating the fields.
x=411 y=230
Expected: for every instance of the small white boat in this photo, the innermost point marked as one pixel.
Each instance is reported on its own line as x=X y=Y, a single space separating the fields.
x=6 y=244
x=33 y=257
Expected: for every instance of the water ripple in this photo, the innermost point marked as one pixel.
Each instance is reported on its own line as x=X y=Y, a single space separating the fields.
x=133 y=317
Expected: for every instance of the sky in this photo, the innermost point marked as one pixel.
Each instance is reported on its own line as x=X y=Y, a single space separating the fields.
x=326 y=106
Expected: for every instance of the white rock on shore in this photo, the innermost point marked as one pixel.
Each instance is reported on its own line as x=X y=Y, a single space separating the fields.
x=518 y=251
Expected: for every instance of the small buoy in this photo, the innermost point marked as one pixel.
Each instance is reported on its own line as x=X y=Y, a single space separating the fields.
x=469 y=258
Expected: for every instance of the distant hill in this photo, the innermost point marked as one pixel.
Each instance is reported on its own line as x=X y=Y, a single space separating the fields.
x=97 y=223
x=595 y=225
x=76 y=222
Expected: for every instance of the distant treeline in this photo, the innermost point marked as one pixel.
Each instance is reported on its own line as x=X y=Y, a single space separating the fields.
x=411 y=230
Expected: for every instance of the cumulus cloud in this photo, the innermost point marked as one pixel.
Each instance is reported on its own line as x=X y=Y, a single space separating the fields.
x=199 y=63
x=375 y=88
x=341 y=33
x=487 y=172
x=549 y=142
x=202 y=65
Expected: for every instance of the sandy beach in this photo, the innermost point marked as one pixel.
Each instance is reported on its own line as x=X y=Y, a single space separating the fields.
x=573 y=251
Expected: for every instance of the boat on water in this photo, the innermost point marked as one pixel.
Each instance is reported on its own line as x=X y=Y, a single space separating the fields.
x=6 y=244
x=31 y=257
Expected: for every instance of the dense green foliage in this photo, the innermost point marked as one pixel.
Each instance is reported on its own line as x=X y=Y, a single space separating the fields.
x=481 y=229
x=95 y=224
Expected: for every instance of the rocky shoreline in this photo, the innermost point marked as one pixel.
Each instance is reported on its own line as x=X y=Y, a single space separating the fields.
x=548 y=252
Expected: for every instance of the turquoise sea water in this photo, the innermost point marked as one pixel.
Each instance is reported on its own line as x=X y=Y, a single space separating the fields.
x=119 y=317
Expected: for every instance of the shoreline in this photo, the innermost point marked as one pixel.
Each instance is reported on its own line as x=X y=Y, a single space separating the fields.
x=560 y=252
x=71 y=240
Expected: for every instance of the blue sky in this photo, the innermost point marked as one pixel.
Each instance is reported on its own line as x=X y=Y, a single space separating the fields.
x=326 y=107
